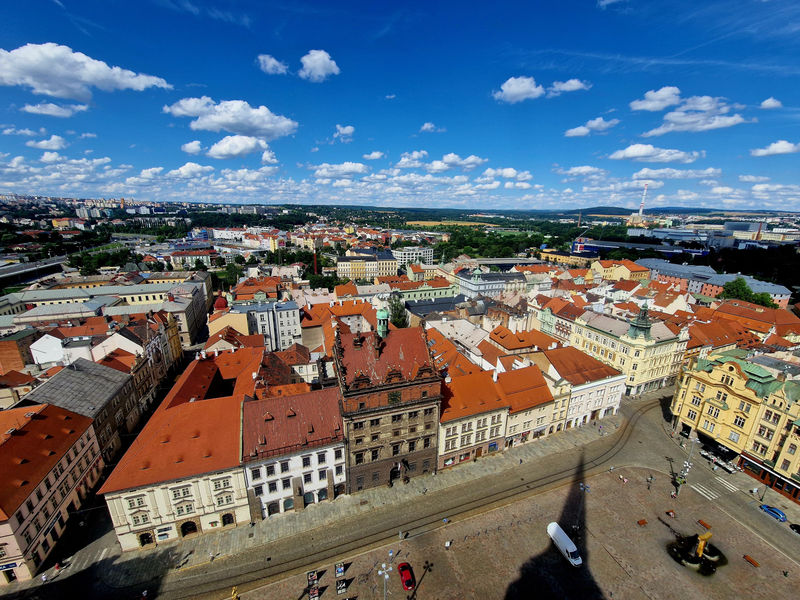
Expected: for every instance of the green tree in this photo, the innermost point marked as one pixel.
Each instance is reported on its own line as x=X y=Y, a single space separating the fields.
x=252 y=260
x=199 y=265
x=739 y=289
x=397 y=312
x=239 y=259
x=219 y=262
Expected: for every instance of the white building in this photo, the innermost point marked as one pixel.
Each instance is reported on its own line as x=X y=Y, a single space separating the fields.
x=293 y=450
x=279 y=322
x=413 y=254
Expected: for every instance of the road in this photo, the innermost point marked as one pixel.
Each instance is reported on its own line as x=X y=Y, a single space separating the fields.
x=642 y=441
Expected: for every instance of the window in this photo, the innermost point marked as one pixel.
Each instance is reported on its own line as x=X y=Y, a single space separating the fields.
x=412 y=446
x=449 y=444
x=259 y=490
x=696 y=400
x=359 y=458
x=337 y=454
x=358 y=425
x=466 y=440
x=220 y=484
x=374 y=422
x=286 y=483
x=307 y=477
x=427 y=412
x=733 y=436
x=708 y=425
x=362 y=405
x=785 y=465
x=306 y=461
x=744 y=406
x=321 y=458
x=635 y=366
x=413 y=414
x=722 y=396
x=426 y=443
x=396 y=433
x=272 y=486
x=765 y=432
x=791 y=449
x=480 y=436
x=224 y=499
x=395 y=449
x=397 y=418
x=285 y=466
x=739 y=422
x=495 y=432
x=375 y=454
x=376 y=476
x=375 y=437
x=713 y=411
x=359 y=441
x=759 y=448
x=323 y=474
x=339 y=469
x=270 y=470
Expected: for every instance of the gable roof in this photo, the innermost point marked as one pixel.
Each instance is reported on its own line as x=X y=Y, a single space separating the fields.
x=524 y=389
x=577 y=367
x=470 y=395
x=534 y=339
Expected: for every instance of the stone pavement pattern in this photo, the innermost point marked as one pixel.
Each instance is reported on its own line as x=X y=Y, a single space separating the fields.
x=623 y=560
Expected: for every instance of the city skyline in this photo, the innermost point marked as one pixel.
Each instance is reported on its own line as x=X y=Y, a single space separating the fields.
x=571 y=105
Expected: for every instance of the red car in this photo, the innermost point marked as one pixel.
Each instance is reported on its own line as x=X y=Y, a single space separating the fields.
x=406 y=576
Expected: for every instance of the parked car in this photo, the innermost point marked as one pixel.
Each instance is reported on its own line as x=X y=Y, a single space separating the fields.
x=406 y=576
x=773 y=512
x=795 y=527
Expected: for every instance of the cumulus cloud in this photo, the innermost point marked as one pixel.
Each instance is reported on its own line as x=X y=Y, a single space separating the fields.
x=318 y=66
x=517 y=89
x=344 y=133
x=233 y=116
x=51 y=157
x=753 y=178
x=698 y=113
x=770 y=103
x=597 y=125
x=582 y=171
x=411 y=160
x=54 y=110
x=779 y=147
x=15 y=131
x=193 y=147
x=649 y=153
x=648 y=173
x=429 y=127
x=54 y=142
x=189 y=171
x=656 y=100
x=271 y=65
x=54 y=70
x=721 y=189
x=234 y=146
x=345 y=169
x=374 y=155
x=570 y=85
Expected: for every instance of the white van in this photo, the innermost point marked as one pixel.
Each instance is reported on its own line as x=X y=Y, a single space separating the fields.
x=565 y=545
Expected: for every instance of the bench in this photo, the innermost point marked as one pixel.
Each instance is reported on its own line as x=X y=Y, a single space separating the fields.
x=704 y=524
x=751 y=560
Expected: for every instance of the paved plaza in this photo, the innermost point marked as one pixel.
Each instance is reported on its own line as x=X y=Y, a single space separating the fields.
x=506 y=552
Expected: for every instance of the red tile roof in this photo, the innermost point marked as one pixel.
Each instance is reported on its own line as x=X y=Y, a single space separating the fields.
x=346 y=289
x=524 y=389
x=446 y=356
x=234 y=338
x=626 y=285
x=533 y=339
x=470 y=395
x=42 y=435
x=403 y=353
x=758 y=317
x=578 y=368
x=16 y=379
x=289 y=424
x=119 y=359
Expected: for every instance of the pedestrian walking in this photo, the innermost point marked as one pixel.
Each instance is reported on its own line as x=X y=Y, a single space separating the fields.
x=44 y=577
x=520 y=461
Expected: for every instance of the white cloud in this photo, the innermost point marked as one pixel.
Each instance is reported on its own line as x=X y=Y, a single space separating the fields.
x=87 y=135
x=54 y=110
x=390 y=96
x=268 y=156
x=152 y=172
x=649 y=153
x=271 y=65
x=54 y=142
x=318 y=66
x=344 y=133
x=345 y=169
x=15 y=131
x=771 y=103
x=374 y=155
x=234 y=116
x=648 y=173
x=517 y=89
x=189 y=170
x=779 y=147
x=570 y=85
x=655 y=100
x=598 y=124
x=234 y=146
x=721 y=189
x=54 y=70
x=50 y=157
x=753 y=178
x=452 y=160
x=505 y=172
x=698 y=113
x=193 y=147
x=429 y=127
x=411 y=160
x=582 y=171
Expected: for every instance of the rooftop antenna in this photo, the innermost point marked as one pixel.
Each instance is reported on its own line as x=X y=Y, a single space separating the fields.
x=644 y=195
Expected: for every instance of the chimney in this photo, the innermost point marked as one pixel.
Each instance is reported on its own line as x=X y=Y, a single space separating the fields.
x=494 y=375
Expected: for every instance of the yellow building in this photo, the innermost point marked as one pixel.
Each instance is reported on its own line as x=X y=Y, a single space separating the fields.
x=562 y=258
x=618 y=270
x=749 y=406
x=648 y=352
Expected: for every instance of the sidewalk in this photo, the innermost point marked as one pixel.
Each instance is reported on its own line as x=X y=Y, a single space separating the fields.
x=200 y=557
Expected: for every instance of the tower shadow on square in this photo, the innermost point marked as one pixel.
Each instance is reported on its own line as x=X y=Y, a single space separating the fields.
x=549 y=574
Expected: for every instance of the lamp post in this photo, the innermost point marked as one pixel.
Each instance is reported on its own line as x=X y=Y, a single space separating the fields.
x=384 y=570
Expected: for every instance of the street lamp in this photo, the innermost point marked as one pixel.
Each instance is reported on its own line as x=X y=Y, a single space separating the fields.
x=384 y=570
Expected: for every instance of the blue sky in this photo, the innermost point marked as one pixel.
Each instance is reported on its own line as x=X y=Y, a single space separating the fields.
x=530 y=105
